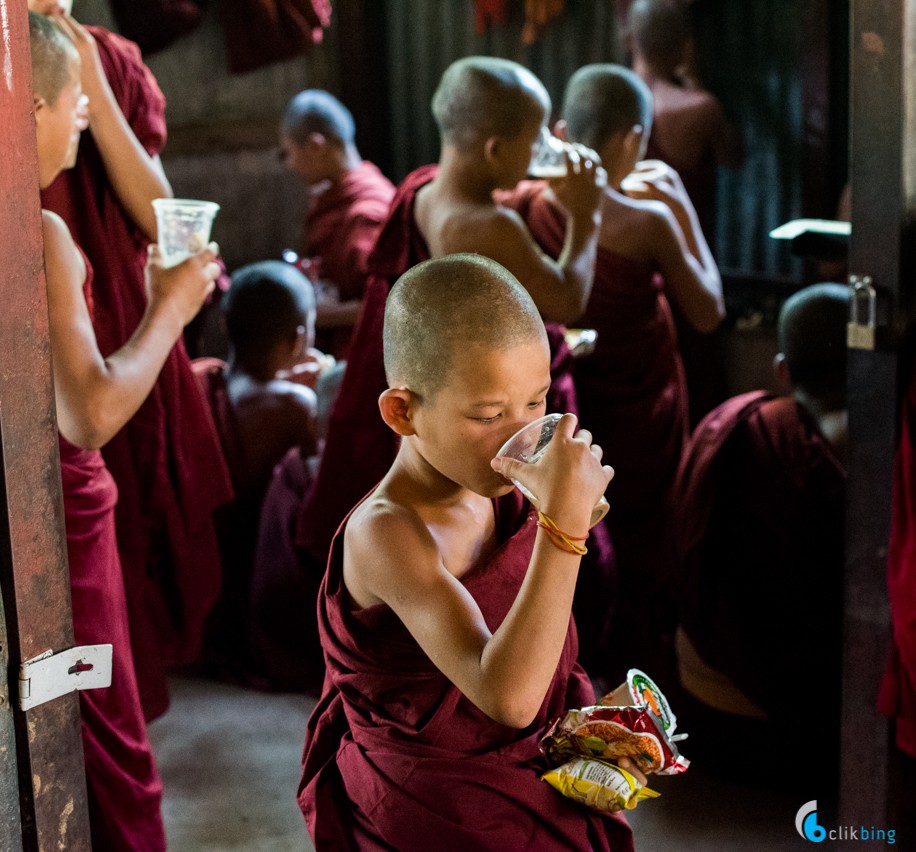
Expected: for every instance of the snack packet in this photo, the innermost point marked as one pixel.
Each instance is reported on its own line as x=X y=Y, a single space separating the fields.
x=642 y=730
x=599 y=785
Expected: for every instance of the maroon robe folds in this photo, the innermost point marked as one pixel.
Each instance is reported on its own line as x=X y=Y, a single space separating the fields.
x=261 y=32
x=760 y=508
x=123 y=785
x=283 y=631
x=166 y=461
x=633 y=399
x=898 y=689
x=396 y=757
x=343 y=224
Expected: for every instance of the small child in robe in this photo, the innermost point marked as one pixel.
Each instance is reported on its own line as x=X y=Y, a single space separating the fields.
x=445 y=610
x=263 y=406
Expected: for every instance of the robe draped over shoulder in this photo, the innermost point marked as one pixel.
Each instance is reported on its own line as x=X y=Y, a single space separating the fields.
x=343 y=224
x=166 y=461
x=397 y=758
x=123 y=785
x=760 y=500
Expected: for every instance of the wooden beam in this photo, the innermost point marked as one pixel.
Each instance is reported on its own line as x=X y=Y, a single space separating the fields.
x=883 y=146
x=33 y=565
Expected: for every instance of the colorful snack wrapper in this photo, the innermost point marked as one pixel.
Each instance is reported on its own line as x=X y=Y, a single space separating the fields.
x=599 y=785
x=642 y=732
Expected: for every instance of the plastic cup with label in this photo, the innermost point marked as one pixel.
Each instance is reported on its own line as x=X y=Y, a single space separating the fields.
x=183 y=227
x=549 y=157
x=528 y=445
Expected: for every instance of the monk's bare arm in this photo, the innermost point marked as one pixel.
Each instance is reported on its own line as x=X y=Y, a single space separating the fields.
x=679 y=248
x=390 y=556
x=137 y=176
x=560 y=288
x=96 y=396
x=693 y=282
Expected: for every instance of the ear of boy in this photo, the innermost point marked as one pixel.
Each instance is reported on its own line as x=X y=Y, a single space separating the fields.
x=396 y=406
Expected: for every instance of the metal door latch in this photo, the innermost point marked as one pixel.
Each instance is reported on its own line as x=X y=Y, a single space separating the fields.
x=860 y=330
x=50 y=675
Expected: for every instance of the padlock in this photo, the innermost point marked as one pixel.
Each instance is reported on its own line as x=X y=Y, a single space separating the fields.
x=860 y=330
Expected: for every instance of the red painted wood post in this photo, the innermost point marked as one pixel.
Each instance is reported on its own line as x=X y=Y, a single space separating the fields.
x=33 y=560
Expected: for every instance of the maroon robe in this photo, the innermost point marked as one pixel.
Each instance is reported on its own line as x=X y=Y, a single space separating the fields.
x=396 y=757
x=633 y=399
x=898 y=689
x=123 y=785
x=760 y=508
x=261 y=32
x=343 y=223
x=166 y=461
x=283 y=631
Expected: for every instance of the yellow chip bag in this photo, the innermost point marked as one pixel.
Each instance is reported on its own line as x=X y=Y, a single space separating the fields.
x=601 y=786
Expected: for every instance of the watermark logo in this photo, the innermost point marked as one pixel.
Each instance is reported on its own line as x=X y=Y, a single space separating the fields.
x=806 y=823
x=807 y=826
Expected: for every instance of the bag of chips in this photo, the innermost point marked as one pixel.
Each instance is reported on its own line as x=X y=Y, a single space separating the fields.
x=599 y=785
x=641 y=730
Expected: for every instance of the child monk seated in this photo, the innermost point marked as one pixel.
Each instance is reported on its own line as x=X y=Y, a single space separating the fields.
x=348 y=201
x=445 y=610
x=262 y=407
x=759 y=532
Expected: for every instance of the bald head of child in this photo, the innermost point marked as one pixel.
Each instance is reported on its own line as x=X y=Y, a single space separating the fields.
x=811 y=333
x=661 y=33
x=467 y=364
x=609 y=108
x=270 y=317
x=60 y=110
x=490 y=112
x=317 y=136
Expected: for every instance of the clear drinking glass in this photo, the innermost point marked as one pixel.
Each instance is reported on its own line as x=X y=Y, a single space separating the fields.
x=549 y=157
x=528 y=445
x=183 y=227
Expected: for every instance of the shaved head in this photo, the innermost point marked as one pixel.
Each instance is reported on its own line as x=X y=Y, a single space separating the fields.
x=53 y=57
x=317 y=111
x=660 y=30
x=812 y=336
x=479 y=97
x=602 y=100
x=448 y=303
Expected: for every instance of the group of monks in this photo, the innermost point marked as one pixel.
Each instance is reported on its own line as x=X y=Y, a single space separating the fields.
x=210 y=506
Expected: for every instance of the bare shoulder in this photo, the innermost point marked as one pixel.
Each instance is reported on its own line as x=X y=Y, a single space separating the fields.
x=63 y=262
x=56 y=234
x=388 y=551
x=481 y=226
x=631 y=226
x=296 y=396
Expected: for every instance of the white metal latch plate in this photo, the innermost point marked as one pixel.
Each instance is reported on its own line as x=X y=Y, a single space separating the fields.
x=50 y=675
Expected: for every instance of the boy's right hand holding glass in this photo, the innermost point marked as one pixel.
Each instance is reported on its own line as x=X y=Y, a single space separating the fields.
x=581 y=190
x=181 y=289
x=568 y=478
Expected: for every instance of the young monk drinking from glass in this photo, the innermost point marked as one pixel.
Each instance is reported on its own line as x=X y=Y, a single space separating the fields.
x=445 y=611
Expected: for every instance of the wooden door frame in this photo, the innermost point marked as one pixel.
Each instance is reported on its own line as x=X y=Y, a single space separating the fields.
x=883 y=179
x=34 y=580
